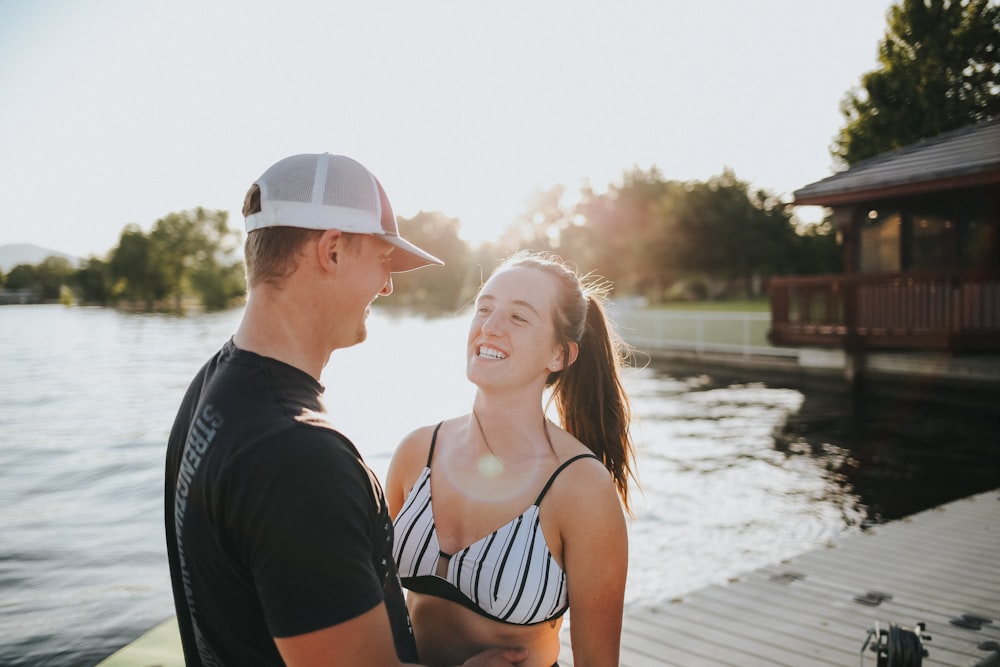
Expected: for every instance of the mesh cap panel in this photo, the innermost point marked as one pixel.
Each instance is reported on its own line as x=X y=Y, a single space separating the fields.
x=351 y=187
x=323 y=191
x=294 y=182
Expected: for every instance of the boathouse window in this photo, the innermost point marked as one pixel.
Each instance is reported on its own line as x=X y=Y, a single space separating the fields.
x=960 y=230
x=932 y=242
x=880 y=242
x=978 y=244
x=978 y=215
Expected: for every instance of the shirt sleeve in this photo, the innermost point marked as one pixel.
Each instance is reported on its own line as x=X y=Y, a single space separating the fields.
x=303 y=519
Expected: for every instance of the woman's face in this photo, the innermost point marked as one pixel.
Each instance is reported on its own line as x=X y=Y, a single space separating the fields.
x=512 y=340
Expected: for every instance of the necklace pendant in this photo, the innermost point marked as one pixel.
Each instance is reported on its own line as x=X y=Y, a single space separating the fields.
x=490 y=465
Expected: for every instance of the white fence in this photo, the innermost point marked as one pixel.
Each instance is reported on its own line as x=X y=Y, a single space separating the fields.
x=690 y=330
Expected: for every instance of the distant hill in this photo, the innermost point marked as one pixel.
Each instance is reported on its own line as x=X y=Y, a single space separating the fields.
x=25 y=253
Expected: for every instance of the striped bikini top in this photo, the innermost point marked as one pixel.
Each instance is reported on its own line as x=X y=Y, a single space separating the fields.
x=509 y=576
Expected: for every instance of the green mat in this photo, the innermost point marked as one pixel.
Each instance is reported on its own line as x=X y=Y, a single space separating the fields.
x=160 y=647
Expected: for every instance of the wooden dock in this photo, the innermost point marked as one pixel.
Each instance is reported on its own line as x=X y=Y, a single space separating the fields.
x=940 y=567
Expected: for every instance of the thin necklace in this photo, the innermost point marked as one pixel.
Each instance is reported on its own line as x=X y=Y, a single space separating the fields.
x=492 y=465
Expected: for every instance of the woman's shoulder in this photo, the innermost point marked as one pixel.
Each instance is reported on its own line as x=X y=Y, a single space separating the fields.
x=415 y=445
x=586 y=470
x=414 y=449
x=584 y=479
x=422 y=437
x=408 y=461
x=567 y=447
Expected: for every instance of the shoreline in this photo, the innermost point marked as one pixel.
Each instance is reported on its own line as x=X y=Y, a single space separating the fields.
x=735 y=343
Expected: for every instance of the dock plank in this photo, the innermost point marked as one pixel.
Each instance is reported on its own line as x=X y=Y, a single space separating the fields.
x=937 y=565
x=844 y=622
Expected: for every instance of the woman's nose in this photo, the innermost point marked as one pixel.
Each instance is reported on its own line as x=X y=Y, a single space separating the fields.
x=491 y=325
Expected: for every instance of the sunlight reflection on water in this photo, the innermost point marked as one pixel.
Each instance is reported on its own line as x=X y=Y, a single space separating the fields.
x=717 y=498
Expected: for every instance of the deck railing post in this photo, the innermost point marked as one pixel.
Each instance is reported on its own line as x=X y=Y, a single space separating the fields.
x=778 y=292
x=854 y=349
x=746 y=336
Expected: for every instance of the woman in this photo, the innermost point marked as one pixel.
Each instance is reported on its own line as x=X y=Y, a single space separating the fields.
x=525 y=522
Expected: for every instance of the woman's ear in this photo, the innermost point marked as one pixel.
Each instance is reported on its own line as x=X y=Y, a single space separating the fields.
x=573 y=350
x=565 y=358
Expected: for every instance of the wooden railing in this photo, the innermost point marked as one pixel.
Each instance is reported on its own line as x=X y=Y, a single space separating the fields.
x=958 y=311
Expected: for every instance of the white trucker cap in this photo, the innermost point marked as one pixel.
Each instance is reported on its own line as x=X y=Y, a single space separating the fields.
x=323 y=191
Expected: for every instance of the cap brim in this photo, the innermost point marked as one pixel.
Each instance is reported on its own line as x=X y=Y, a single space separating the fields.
x=408 y=257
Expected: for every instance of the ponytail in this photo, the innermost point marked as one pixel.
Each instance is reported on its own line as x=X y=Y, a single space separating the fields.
x=591 y=401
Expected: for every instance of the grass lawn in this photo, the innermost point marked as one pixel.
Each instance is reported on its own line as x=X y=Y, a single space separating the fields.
x=736 y=323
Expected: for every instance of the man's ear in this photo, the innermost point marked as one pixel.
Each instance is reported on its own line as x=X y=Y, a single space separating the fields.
x=330 y=249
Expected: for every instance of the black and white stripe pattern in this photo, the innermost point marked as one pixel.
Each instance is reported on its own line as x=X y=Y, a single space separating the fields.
x=509 y=575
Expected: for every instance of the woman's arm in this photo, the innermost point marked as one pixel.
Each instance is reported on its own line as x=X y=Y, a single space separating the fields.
x=595 y=559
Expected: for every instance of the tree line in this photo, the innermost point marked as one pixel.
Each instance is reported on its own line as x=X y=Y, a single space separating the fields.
x=939 y=69
x=661 y=239
x=186 y=256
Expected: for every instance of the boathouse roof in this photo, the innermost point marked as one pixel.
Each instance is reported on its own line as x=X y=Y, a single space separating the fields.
x=966 y=157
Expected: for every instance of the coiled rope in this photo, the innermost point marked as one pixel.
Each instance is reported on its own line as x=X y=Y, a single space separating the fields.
x=897 y=646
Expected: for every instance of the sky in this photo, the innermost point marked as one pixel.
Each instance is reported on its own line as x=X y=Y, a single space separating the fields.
x=119 y=111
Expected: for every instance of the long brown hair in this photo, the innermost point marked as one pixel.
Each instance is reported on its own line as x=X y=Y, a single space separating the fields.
x=588 y=394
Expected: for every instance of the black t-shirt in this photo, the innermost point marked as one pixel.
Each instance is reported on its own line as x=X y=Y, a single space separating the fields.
x=275 y=526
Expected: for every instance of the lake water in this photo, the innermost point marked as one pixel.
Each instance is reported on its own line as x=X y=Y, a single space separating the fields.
x=736 y=474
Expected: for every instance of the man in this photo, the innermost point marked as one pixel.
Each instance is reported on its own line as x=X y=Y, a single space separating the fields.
x=278 y=536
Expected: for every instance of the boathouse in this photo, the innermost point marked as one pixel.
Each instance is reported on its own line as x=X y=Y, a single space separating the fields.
x=920 y=228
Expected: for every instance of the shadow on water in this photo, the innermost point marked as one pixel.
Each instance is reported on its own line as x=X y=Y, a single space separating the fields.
x=899 y=449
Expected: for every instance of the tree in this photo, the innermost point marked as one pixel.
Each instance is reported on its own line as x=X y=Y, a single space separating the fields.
x=542 y=224
x=53 y=274
x=137 y=278
x=196 y=243
x=815 y=250
x=22 y=276
x=622 y=235
x=939 y=70
x=93 y=282
x=720 y=231
x=218 y=284
x=437 y=288
x=648 y=235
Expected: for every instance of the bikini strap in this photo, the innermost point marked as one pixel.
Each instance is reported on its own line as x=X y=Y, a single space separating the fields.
x=559 y=470
x=434 y=438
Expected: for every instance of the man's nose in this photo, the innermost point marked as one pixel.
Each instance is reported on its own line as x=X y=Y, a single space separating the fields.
x=387 y=288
